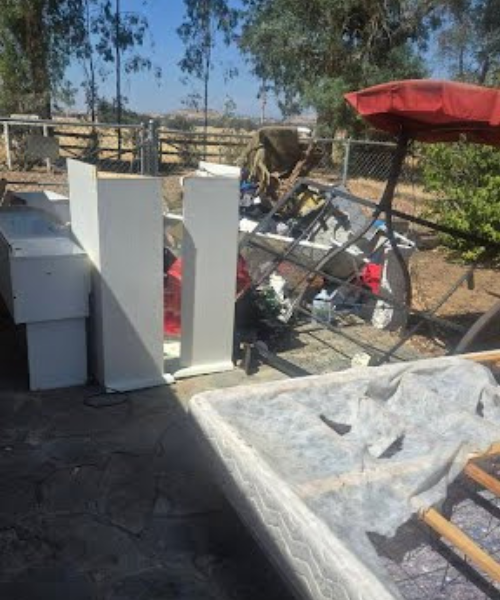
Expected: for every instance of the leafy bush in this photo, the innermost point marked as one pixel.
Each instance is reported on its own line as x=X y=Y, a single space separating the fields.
x=466 y=180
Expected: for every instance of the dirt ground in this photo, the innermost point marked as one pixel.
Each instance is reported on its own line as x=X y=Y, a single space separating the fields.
x=433 y=274
x=434 y=271
x=36 y=180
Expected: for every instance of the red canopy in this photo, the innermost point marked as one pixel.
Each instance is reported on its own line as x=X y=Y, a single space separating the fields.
x=432 y=111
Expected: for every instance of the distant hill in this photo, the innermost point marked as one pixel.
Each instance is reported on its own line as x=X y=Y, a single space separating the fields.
x=188 y=119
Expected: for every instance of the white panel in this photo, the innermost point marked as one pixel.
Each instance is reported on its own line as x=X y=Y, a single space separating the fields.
x=131 y=242
x=218 y=170
x=83 y=206
x=118 y=220
x=82 y=179
x=57 y=353
x=209 y=255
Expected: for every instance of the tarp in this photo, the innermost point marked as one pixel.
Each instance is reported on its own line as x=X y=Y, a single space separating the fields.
x=431 y=110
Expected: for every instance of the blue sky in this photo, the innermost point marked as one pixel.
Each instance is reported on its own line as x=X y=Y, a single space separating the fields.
x=146 y=95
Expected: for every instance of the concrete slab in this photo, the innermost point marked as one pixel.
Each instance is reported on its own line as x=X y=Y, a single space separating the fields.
x=116 y=502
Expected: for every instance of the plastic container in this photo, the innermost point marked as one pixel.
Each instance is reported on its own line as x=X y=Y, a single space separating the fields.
x=322 y=307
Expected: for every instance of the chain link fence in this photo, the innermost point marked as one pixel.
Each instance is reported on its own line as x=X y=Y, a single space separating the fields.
x=363 y=166
x=34 y=154
x=33 y=144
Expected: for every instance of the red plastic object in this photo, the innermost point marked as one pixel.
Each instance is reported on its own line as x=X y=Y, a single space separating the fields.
x=371 y=276
x=432 y=111
x=172 y=300
x=243 y=279
x=172 y=294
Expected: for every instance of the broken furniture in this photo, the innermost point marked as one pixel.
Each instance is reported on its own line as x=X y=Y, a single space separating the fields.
x=320 y=466
x=118 y=221
x=44 y=281
x=420 y=110
x=481 y=559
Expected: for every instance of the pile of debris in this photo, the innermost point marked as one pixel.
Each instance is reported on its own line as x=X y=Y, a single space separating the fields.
x=300 y=253
x=296 y=238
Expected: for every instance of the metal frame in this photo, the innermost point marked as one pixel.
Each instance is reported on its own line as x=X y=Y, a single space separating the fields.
x=250 y=239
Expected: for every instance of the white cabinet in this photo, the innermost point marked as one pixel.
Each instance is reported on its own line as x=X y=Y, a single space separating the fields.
x=44 y=281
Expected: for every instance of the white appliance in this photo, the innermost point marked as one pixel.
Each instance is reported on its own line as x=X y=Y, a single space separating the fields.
x=44 y=281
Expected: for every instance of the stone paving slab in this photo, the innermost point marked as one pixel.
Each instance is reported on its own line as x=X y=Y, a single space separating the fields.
x=117 y=502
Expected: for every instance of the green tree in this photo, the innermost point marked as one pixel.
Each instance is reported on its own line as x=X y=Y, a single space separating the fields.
x=466 y=177
x=469 y=40
x=204 y=22
x=466 y=180
x=313 y=51
x=112 y=38
x=37 y=39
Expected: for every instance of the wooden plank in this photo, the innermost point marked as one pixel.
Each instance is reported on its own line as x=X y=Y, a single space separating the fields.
x=200 y=143
x=74 y=134
x=486 y=357
x=464 y=543
x=94 y=151
x=185 y=159
x=492 y=450
x=483 y=478
x=201 y=135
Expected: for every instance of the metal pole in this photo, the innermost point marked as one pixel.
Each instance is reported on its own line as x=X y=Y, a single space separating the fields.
x=48 y=162
x=118 y=76
x=385 y=206
x=347 y=158
x=8 y=155
x=466 y=276
x=159 y=149
x=142 y=148
x=427 y=316
x=152 y=148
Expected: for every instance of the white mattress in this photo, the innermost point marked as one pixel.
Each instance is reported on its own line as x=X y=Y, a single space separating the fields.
x=310 y=494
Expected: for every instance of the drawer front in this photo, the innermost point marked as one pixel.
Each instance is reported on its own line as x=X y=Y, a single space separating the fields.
x=49 y=289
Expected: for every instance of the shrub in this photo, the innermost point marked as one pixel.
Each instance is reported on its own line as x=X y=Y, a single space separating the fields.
x=466 y=180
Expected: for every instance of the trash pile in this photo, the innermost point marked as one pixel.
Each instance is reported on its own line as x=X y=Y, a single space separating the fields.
x=297 y=249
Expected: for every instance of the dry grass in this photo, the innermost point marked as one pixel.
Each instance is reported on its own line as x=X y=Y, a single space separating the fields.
x=409 y=198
